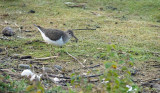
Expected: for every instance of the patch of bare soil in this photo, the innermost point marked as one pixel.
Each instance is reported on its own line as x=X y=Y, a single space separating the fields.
x=148 y=77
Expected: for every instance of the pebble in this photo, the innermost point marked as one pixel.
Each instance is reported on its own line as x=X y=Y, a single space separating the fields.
x=25 y=66
x=1 y=50
x=8 y=31
x=58 y=67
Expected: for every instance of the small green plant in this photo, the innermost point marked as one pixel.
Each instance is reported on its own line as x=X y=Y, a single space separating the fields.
x=117 y=78
x=9 y=85
x=108 y=53
x=36 y=87
x=116 y=75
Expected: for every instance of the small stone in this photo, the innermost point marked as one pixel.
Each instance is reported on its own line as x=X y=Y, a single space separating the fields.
x=58 y=67
x=25 y=66
x=31 y=11
x=51 y=22
x=47 y=69
x=1 y=50
x=8 y=31
x=25 y=57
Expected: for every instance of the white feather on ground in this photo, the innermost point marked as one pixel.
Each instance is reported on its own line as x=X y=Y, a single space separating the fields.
x=27 y=73
x=33 y=76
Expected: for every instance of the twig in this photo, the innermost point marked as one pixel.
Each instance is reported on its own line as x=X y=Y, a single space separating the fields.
x=94 y=66
x=102 y=66
x=85 y=29
x=16 y=25
x=76 y=60
x=92 y=76
x=45 y=58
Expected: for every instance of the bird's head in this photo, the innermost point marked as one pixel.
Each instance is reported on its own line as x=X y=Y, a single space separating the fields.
x=71 y=34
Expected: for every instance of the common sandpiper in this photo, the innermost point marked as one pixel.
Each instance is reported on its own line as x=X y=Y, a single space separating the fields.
x=55 y=36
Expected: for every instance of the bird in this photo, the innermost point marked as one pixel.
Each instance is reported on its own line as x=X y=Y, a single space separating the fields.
x=56 y=37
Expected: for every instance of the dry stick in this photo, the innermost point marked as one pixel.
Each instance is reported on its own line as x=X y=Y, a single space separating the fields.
x=94 y=66
x=92 y=76
x=16 y=25
x=85 y=29
x=46 y=58
x=79 y=61
x=76 y=59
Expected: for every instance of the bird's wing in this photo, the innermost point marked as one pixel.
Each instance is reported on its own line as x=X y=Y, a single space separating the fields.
x=54 y=34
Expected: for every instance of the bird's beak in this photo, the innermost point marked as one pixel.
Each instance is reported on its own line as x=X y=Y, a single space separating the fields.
x=75 y=38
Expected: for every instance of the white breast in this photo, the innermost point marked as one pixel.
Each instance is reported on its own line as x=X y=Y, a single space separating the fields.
x=49 y=41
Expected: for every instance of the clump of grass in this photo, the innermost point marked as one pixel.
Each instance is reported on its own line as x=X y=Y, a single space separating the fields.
x=9 y=85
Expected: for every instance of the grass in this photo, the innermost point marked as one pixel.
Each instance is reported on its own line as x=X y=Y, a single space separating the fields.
x=133 y=27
